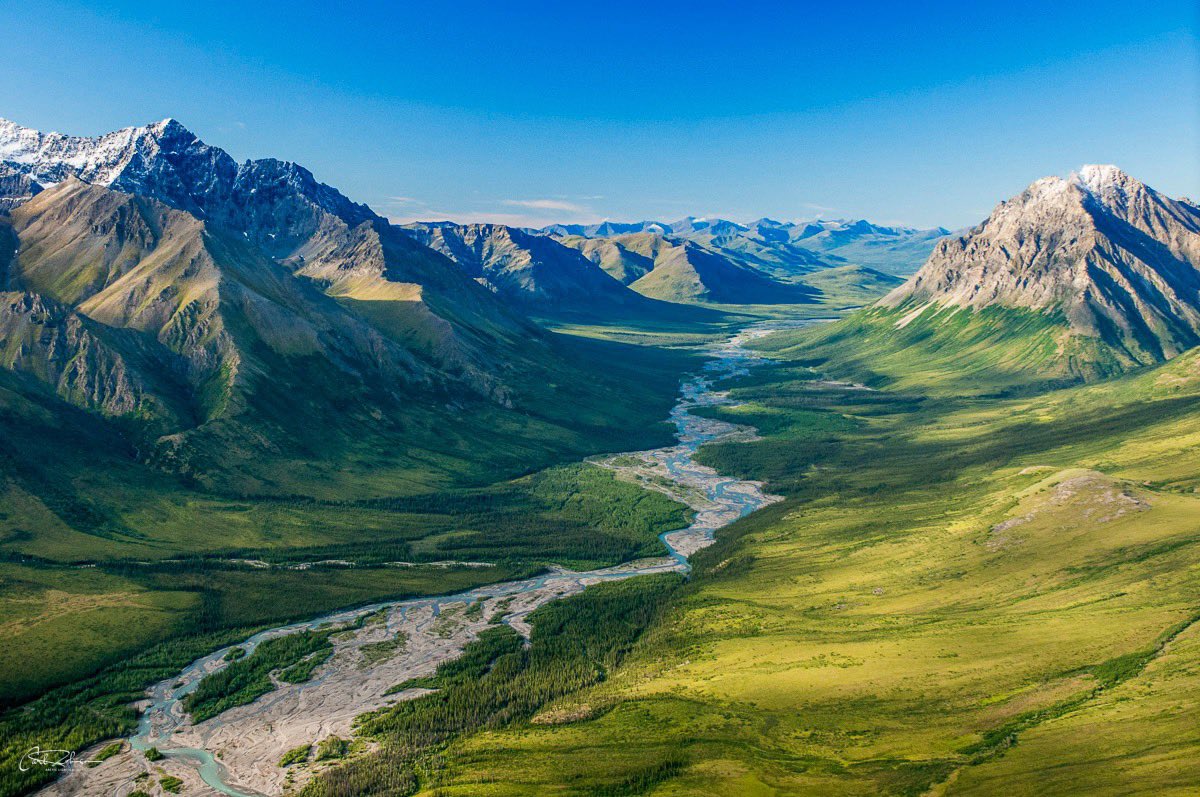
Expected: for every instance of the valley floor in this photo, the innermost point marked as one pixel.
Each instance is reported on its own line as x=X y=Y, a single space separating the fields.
x=960 y=595
x=964 y=591
x=113 y=577
x=407 y=641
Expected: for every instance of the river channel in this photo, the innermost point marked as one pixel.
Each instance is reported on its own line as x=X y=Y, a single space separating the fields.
x=237 y=753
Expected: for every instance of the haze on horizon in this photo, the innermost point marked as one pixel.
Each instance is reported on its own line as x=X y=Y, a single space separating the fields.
x=535 y=114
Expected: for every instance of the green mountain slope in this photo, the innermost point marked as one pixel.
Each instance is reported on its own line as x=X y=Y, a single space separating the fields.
x=677 y=270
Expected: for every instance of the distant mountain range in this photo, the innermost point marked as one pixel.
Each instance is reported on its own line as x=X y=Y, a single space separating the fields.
x=608 y=271
x=1109 y=268
x=786 y=248
x=688 y=261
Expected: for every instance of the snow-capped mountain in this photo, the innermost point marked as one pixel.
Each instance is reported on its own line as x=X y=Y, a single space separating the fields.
x=50 y=158
x=167 y=161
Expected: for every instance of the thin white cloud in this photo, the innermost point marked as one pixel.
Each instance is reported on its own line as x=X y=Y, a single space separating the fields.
x=539 y=212
x=546 y=204
x=508 y=219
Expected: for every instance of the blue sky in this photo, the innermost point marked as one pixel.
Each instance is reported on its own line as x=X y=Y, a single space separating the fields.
x=918 y=113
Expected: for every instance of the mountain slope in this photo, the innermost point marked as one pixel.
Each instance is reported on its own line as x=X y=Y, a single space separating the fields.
x=129 y=292
x=679 y=270
x=1114 y=264
x=894 y=250
x=253 y=330
x=527 y=268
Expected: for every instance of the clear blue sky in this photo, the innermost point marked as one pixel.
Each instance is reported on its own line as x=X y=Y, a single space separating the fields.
x=922 y=113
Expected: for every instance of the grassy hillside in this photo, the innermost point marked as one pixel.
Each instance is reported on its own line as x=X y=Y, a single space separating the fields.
x=961 y=595
x=947 y=349
x=850 y=286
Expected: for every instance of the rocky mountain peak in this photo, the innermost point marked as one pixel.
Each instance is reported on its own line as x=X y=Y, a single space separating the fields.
x=169 y=162
x=1118 y=261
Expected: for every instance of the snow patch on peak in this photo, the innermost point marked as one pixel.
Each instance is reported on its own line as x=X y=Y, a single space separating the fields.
x=1098 y=176
x=1108 y=184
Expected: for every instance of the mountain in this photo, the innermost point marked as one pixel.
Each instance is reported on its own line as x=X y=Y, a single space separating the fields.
x=603 y=229
x=767 y=248
x=1108 y=263
x=787 y=249
x=894 y=250
x=528 y=268
x=679 y=270
x=606 y=229
x=252 y=330
x=851 y=286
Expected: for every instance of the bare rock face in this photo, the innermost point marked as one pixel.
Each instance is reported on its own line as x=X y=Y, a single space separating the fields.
x=1119 y=261
x=15 y=187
